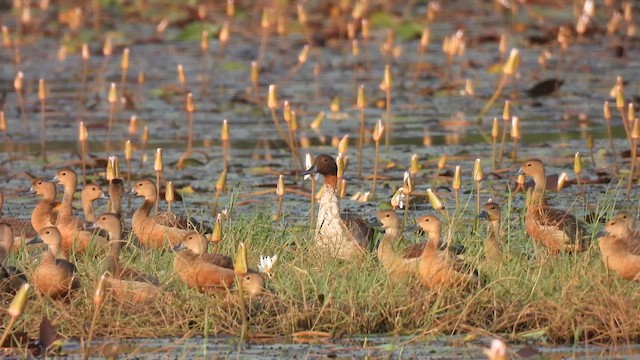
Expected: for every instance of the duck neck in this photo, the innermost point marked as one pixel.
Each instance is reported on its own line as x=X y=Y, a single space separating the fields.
x=145 y=209
x=494 y=229
x=87 y=208
x=433 y=240
x=1 y=202
x=537 y=196
x=67 y=201
x=331 y=180
x=115 y=234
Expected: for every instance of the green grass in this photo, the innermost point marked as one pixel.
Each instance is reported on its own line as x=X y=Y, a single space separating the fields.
x=563 y=299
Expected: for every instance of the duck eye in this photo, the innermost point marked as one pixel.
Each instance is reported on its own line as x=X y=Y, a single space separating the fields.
x=63 y=173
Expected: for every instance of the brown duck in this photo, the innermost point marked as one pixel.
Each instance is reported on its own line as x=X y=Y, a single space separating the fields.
x=615 y=250
x=45 y=213
x=21 y=227
x=493 y=245
x=10 y=277
x=555 y=229
x=397 y=265
x=343 y=236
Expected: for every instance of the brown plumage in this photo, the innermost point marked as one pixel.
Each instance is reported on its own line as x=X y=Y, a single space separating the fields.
x=10 y=278
x=555 y=229
x=54 y=277
x=436 y=269
x=152 y=231
x=90 y=193
x=343 y=236
x=615 y=250
x=633 y=244
x=493 y=245
x=396 y=265
x=21 y=227
x=70 y=226
x=207 y=272
x=116 y=191
x=112 y=225
x=45 y=213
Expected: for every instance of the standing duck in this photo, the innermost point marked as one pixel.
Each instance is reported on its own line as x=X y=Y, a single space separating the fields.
x=615 y=250
x=152 y=231
x=10 y=278
x=45 y=213
x=21 y=227
x=207 y=273
x=493 y=245
x=436 y=268
x=343 y=236
x=54 y=277
x=70 y=226
x=397 y=266
x=555 y=229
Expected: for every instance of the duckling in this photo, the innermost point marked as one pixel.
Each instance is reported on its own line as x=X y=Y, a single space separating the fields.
x=45 y=213
x=90 y=193
x=21 y=227
x=112 y=225
x=10 y=277
x=397 y=266
x=344 y=236
x=555 y=229
x=493 y=245
x=151 y=231
x=436 y=269
x=615 y=252
x=71 y=227
x=54 y=277
x=209 y=271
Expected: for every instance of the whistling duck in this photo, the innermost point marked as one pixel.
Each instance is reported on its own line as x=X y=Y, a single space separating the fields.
x=70 y=226
x=21 y=227
x=90 y=193
x=152 y=231
x=395 y=264
x=205 y=271
x=112 y=225
x=615 y=254
x=45 y=213
x=343 y=236
x=10 y=278
x=555 y=229
x=436 y=269
x=493 y=245
x=116 y=191
x=54 y=277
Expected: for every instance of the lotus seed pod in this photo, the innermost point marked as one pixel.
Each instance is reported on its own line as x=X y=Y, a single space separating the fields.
x=82 y=132
x=477 y=171
x=315 y=124
x=16 y=308
x=169 y=192
x=434 y=200
x=378 y=130
x=456 y=183
x=361 y=101
x=216 y=236
x=577 y=164
x=157 y=165
x=495 y=128
x=113 y=94
x=272 y=100
x=124 y=62
x=280 y=186
x=240 y=266
x=221 y=184
x=511 y=66
x=128 y=150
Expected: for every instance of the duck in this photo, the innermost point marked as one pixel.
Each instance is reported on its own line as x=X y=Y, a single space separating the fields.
x=615 y=253
x=209 y=273
x=555 y=229
x=90 y=193
x=344 y=236
x=22 y=228
x=152 y=231
x=71 y=228
x=493 y=245
x=54 y=277
x=11 y=279
x=45 y=213
x=396 y=265
x=633 y=244
x=111 y=224
x=437 y=269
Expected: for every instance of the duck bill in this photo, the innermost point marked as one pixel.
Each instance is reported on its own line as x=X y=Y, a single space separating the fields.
x=31 y=191
x=90 y=226
x=413 y=229
x=312 y=170
x=53 y=179
x=483 y=215
x=179 y=247
x=35 y=240
x=104 y=196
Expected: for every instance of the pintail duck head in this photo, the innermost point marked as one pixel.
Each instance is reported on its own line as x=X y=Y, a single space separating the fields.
x=326 y=166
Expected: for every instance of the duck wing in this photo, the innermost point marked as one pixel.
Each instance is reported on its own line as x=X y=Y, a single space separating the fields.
x=219 y=260
x=359 y=228
x=21 y=227
x=557 y=219
x=181 y=222
x=413 y=250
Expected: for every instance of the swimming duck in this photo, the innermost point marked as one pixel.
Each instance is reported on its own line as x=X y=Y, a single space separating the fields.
x=207 y=272
x=90 y=193
x=493 y=245
x=344 y=236
x=54 y=277
x=615 y=253
x=45 y=213
x=112 y=225
x=395 y=264
x=555 y=229
x=70 y=226
x=152 y=231
x=436 y=269
x=10 y=277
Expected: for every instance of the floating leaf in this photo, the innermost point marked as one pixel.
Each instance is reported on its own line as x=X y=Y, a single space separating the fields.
x=233 y=66
x=382 y=20
x=193 y=31
x=409 y=31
